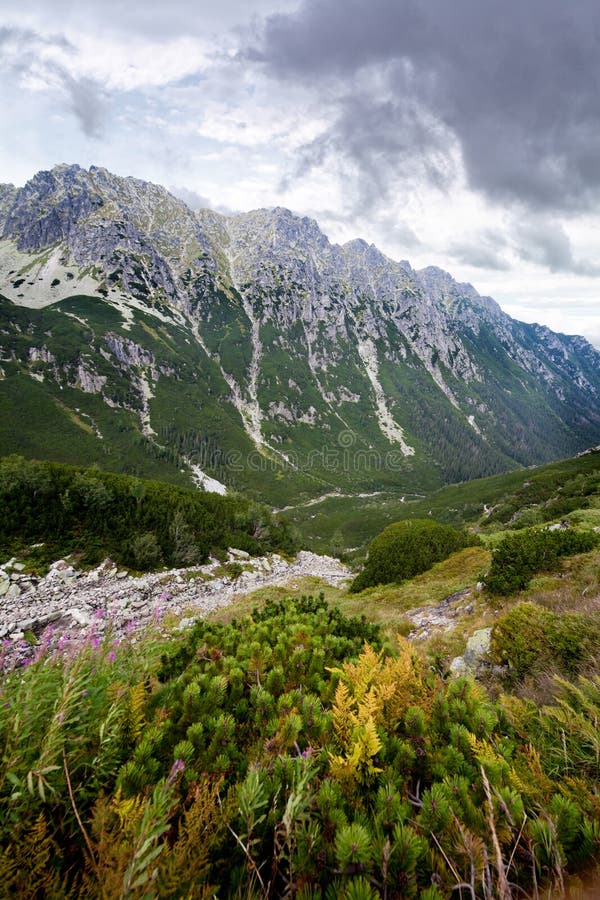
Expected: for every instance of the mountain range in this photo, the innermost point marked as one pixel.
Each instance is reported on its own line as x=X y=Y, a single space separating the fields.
x=248 y=351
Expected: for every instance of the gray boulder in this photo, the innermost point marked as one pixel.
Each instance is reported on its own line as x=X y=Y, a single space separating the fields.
x=474 y=658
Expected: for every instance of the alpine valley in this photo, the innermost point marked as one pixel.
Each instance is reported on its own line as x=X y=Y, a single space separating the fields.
x=248 y=351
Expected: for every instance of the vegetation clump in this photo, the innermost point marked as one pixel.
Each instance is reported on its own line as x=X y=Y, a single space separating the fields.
x=140 y=524
x=549 y=493
x=408 y=548
x=286 y=754
x=520 y=556
x=531 y=640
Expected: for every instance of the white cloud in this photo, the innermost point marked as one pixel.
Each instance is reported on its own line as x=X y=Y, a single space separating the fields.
x=129 y=63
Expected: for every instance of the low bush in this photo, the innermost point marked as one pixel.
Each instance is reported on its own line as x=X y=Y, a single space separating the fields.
x=520 y=556
x=408 y=548
x=531 y=640
x=282 y=756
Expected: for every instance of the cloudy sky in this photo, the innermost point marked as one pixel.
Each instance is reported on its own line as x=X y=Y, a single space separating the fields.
x=459 y=133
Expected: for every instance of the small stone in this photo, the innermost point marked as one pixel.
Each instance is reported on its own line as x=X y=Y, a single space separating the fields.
x=80 y=616
x=4 y=586
x=239 y=554
x=459 y=667
x=478 y=646
x=123 y=574
x=18 y=567
x=13 y=592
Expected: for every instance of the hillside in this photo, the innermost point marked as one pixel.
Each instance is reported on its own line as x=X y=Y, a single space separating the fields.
x=248 y=350
x=525 y=497
x=54 y=510
x=294 y=743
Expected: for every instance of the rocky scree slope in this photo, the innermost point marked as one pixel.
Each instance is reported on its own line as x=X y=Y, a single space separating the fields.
x=68 y=604
x=249 y=347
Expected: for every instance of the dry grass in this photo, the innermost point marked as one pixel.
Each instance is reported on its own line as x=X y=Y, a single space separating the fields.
x=243 y=604
x=575 y=588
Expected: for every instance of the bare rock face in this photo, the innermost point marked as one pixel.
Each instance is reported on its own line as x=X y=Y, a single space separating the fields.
x=50 y=207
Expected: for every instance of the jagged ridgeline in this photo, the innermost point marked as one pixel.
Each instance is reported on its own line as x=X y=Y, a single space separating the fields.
x=248 y=350
x=48 y=510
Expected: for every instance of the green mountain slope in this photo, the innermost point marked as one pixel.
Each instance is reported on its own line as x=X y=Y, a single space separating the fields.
x=248 y=349
x=525 y=497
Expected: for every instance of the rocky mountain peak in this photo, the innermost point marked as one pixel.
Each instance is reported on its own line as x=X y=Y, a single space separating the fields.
x=444 y=290
x=50 y=207
x=255 y=329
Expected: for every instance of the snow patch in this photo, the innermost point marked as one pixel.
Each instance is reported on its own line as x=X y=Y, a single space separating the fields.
x=204 y=481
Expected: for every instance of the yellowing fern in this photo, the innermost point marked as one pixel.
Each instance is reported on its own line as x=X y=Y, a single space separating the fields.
x=25 y=869
x=357 y=764
x=127 y=809
x=378 y=689
x=136 y=710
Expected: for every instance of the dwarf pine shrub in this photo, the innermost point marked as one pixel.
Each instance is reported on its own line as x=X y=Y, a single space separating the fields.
x=520 y=556
x=288 y=753
x=408 y=548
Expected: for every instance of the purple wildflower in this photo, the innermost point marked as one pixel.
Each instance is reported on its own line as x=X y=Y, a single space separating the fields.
x=177 y=769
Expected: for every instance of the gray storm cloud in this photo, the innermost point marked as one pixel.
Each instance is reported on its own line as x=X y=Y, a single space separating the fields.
x=516 y=87
x=546 y=243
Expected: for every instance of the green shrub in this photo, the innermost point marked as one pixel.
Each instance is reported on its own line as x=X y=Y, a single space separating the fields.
x=530 y=639
x=407 y=548
x=519 y=556
x=145 y=551
x=227 y=762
